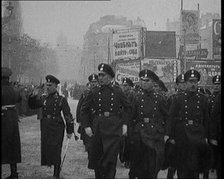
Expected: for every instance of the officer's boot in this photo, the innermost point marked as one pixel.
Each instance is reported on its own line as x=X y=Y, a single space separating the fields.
x=56 y=171
x=170 y=173
x=14 y=174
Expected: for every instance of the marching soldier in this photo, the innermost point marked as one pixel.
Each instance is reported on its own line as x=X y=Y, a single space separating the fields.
x=110 y=106
x=149 y=118
x=215 y=133
x=170 y=153
x=187 y=128
x=10 y=138
x=126 y=146
x=216 y=80
x=93 y=82
x=52 y=124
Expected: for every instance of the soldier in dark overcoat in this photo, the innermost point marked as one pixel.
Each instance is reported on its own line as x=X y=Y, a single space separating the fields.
x=10 y=138
x=188 y=127
x=110 y=106
x=215 y=133
x=170 y=149
x=93 y=82
x=216 y=80
x=52 y=124
x=149 y=119
x=126 y=144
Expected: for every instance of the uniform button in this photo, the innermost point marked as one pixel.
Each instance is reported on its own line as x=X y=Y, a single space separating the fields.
x=186 y=112
x=154 y=108
x=112 y=104
x=185 y=100
x=100 y=110
x=198 y=102
x=142 y=125
x=142 y=99
x=111 y=109
x=141 y=106
x=156 y=96
x=141 y=112
x=53 y=117
x=99 y=104
x=152 y=126
x=112 y=94
x=99 y=99
x=55 y=104
x=99 y=93
x=186 y=118
x=112 y=99
x=155 y=101
x=186 y=124
x=99 y=114
x=185 y=106
x=197 y=106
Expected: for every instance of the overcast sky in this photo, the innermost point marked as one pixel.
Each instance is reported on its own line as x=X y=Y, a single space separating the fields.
x=45 y=20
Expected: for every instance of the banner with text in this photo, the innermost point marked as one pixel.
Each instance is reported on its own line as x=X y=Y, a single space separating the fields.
x=126 y=45
x=207 y=69
x=190 y=27
x=166 y=69
x=129 y=69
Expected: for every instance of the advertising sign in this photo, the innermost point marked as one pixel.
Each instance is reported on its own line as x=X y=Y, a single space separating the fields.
x=129 y=69
x=190 y=27
x=207 y=69
x=166 y=69
x=126 y=45
x=216 y=36
x=199 y=53
x=160 y=44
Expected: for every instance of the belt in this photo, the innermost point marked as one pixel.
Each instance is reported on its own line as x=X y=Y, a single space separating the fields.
x=49 y=116
x=107 y=114
x=6 y=107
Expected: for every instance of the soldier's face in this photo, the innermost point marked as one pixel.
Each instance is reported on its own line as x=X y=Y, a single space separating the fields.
x=217 y=87
x=147 y=84
x=182 y=86
x=93 y=84
x=192 y=84
x=51 y=87
x=104 y=78
x=125 y=87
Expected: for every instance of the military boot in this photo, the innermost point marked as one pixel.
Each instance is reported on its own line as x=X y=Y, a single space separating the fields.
x=56 y=171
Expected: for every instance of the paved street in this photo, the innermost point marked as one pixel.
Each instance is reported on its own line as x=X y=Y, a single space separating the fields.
x=75 y=166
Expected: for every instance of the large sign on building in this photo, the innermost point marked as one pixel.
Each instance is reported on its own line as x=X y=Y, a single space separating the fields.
x=207 y=69
x=160 y=44
x=166 y=69
x=216 y=38
x=190 y=27
x=126 y=45
x=129 y=69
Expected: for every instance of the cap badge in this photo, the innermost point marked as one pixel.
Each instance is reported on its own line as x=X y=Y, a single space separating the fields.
x=101 y=69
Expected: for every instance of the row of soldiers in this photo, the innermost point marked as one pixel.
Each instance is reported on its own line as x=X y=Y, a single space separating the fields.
x=149 y=130
x=109 y=113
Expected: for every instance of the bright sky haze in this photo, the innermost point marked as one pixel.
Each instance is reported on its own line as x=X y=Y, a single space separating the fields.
x=45 y=20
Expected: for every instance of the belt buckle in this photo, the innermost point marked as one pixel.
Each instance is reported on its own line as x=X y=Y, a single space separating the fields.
x=190 y=122
x=48 y=116
x=106 y=114
x=146 y=120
